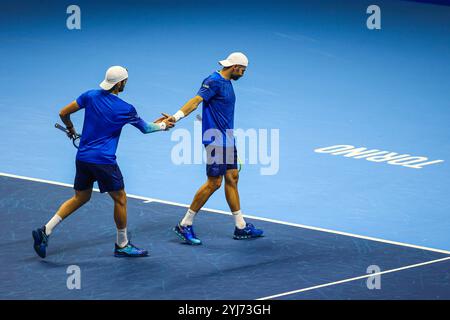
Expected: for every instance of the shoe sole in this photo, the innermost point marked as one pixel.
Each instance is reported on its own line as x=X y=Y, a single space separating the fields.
x=36 y=239
x=246 y=237
x=124 y=255
x=184 y=239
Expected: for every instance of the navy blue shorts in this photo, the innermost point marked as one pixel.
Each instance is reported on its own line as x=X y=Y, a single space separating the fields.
x=220 y=159
x=108 y=176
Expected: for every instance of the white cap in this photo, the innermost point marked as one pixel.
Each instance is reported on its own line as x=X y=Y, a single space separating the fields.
x=113 y=76
x=235 y=58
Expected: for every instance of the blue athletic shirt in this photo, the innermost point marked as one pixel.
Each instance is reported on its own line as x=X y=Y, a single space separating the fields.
x=105 y=115
x=218 y=109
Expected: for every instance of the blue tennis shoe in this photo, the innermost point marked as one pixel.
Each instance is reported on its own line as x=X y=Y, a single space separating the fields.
x=40 y=242
x=129 y=251
x=247 y=233
x=187 y=234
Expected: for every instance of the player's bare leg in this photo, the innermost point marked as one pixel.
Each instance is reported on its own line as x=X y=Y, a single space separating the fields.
x=184 y=229
x=41 y=235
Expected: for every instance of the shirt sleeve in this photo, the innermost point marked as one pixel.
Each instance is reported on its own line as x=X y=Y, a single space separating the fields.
x=82 y=100
x=208 y=89
x=141 y=124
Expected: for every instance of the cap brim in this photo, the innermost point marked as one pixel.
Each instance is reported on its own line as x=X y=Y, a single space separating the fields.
x=106 y=85
x=225 y=63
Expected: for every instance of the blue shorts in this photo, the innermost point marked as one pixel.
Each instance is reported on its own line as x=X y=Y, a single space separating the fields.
x=108 y=176
x=220 y=159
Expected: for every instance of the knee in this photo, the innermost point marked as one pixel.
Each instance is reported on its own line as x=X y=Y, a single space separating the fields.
x=82 y=197
x=232 y=179
x=121 y=199
x=215 y=184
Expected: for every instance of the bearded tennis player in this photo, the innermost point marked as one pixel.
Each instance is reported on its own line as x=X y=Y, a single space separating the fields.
x=217 y=95
x=105 y=115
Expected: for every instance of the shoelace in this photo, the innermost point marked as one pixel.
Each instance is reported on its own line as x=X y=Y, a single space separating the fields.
x=130 y=236
x=191 y=231
x=44 y=237
x=249 y=228
x=132 y=247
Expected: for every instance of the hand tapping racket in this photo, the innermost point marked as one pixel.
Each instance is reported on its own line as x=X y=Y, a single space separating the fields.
x=75 y=139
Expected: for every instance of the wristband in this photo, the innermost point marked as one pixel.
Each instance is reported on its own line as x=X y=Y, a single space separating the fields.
x=178 y=115
x=162 y=125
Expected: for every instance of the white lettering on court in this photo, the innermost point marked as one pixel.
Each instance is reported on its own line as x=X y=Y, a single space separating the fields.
x=376 y=155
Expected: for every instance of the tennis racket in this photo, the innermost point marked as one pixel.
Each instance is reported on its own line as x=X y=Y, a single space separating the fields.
x=75 y=140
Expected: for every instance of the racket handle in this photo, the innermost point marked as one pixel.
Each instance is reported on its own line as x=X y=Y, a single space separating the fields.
x=60 y=127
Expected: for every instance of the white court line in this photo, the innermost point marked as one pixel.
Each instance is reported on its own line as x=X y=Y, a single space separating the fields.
x=352 y=279
x=148 y=200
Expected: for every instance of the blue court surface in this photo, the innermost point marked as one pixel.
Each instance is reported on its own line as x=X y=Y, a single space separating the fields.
x=290 y=262
x=318 y=77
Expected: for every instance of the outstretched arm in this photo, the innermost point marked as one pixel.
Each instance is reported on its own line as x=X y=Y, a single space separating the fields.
x=145 y=127
x=185 y=110
x=148 y=127
x=208 y=90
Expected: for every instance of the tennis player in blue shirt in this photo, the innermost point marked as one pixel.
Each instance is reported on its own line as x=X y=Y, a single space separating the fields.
x=105 y=115
x=218 y=99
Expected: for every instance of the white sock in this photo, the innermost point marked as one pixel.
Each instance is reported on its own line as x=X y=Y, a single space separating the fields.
x=52 y=223
x=239 y=219
x=122 y=239
x=188 y=219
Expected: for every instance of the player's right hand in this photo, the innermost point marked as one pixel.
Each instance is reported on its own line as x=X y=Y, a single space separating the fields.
x=71 y=132
x=164 y=117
